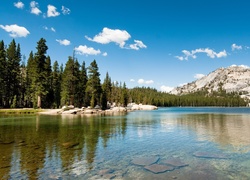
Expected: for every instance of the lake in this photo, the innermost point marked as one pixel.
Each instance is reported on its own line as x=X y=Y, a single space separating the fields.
x=168 y=143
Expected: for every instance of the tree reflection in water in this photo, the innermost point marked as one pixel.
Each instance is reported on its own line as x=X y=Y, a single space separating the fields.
x=29 y=143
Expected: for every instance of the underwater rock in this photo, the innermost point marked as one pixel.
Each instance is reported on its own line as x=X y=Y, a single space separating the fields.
x=69 y=144
x=157 y=168
x=176 y=162
x=210 y=155
x=145 y=161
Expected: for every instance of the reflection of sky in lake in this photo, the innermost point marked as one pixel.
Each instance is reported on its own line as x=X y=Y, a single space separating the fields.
x=104 y=146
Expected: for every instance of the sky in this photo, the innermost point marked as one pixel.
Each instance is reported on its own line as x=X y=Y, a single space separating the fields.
x=152 y=43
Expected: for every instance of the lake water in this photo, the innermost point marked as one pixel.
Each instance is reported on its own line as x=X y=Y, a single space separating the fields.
x=169 y=143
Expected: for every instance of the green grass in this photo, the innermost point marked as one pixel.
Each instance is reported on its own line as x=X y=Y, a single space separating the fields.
x=20 y=111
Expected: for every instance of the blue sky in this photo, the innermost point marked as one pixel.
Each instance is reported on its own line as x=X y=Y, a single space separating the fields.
x=160 y=43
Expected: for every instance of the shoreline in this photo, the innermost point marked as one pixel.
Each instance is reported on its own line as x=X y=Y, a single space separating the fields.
x=77 y=111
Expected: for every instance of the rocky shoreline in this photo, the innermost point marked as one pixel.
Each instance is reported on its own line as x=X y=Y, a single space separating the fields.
x=97 y=111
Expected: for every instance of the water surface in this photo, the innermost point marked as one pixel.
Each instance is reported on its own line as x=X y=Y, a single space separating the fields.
x=213 y=143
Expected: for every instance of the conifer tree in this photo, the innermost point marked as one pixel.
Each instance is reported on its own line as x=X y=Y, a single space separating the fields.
x=3 y=73
x=68 y=83
x=56 y=85
x=93 y=89
x=30 y=74
x=106 y=91
x=39 y=83
x=13 y=56
x=48 y=76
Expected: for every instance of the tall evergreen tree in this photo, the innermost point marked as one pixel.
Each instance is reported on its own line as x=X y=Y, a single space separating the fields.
x=106 y=91
x=3 y=73
x=93 y=89
x=83 y=83
x=39 y=83
x=124 y=95
x=48 y=75
x=68 y=83
x=13 y=56
x=30 y=77
x=56 y=85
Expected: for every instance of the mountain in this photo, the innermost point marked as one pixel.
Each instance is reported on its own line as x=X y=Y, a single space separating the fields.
x=231 y=79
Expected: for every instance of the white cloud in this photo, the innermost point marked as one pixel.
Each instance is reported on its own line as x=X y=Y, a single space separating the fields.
x=243 y=66
x=198 y=76
x=236 y=47
x=166 y=88
x=19 y=5
x=65 y=10
x=52 y=11
x=105 y=54
x=34 y=8
x=210 y=53
x=111 y=35
x=132 y=80
x=142 y=81
x=138 y=44
x=15 y=30
x=64 y=42
x=53 y=29
x=84 y=50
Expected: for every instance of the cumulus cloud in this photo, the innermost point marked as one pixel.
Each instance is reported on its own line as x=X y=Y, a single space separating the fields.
x=132 y=80
x=111 y=35
x=15 y=30
x=105 y=54
x=52 y=11
x=210 y=53
x=65 y=10
x=19 y=5
x=64 y=42
x=34 y=8
x=142 y=81
x=198 y=76
x=236 y=47
x=166 y=89
x=137 y=45
x=84 y=50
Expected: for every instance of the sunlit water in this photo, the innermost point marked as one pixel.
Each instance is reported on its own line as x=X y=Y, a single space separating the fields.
x=214 y=143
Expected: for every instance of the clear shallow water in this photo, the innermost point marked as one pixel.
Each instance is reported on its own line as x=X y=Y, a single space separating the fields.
x=214 y=142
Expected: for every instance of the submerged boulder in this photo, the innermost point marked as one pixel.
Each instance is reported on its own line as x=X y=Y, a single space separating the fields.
x=145 y=161
x=158 y=168
x=176 y=162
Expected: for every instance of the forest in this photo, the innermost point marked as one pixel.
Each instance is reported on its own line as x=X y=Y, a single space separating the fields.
x=41 y=84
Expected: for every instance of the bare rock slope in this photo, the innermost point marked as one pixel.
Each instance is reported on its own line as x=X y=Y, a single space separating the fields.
x=231 y=79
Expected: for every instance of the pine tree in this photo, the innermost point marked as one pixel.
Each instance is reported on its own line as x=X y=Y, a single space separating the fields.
x=3 y=74
x=39 y=83
x=56 y=85
x=13 y=56
x=48 y=75
x=30 y=77
x=68 y=83
x=124 y=95
x=106 y=91
x=93 y=89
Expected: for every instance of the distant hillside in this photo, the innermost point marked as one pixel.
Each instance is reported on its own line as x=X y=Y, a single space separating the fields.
x=231 y=79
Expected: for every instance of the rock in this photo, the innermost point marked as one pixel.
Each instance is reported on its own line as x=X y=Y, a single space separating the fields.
x=145 y=161
x=133 y=106
x=72 y=111
x=158 y=168
x=210 y=155
x=119 y=109
x=69 y=144
x=176 y=162
x=105 y=171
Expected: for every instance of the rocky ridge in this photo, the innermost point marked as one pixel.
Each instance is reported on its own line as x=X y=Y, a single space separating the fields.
x=231 y=79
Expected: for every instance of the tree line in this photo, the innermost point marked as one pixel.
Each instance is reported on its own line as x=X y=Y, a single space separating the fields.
x=38 y=84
